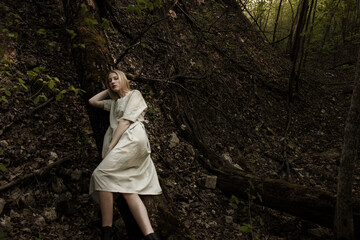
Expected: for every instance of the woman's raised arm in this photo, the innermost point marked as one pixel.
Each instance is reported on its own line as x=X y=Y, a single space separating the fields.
x=97 y=100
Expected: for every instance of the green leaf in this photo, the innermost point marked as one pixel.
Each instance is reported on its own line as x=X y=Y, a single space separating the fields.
x=251 y=184
x=72 y=33
x=13 y=35
x=105 y=23
x=259 y=196
x=84 y=8
x=91 y=22
x=234 y=199
x=6 y=61
x=245 y=228
x=3 y=99
x=41 y=31
x=2 y=168
x=7 y=92
x=59 y=96
x=38 y=69
x=32 y=74
x=37 y=99
x=51 y=84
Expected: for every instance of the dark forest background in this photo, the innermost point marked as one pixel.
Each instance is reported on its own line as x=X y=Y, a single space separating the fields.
x=253 y=115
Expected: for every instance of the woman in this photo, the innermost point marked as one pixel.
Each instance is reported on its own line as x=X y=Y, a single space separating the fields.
x=126 y=167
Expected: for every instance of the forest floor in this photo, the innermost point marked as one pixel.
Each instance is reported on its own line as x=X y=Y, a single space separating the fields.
x=56 y=204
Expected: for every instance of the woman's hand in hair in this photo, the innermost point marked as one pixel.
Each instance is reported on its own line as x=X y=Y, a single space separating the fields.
x=97 y=100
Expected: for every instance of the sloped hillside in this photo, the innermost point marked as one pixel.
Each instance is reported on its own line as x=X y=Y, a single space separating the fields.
x=208 y=77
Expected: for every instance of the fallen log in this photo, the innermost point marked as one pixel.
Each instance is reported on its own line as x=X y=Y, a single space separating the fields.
x=315 y=205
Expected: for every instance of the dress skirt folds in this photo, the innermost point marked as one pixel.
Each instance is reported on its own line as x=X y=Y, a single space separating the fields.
x=128 y=167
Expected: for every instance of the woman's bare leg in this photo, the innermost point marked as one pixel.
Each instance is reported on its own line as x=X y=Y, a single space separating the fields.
x=106 y=200
x=139 y=212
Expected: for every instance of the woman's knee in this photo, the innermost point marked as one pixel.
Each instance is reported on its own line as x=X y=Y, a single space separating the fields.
x=129 y=196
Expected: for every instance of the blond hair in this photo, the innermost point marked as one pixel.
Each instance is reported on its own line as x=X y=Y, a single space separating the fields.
x=124 y=84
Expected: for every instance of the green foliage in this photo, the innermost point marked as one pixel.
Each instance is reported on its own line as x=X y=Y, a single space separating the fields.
x=105 y=23
x=91 y=22
x=72 y=33
x=39 y=238
x=152 y=113
x=2 y=169
x=142 y=5
x=8 y=18
x=45 y=86
x=335 y=22
x=42 y=32
x=249 y=227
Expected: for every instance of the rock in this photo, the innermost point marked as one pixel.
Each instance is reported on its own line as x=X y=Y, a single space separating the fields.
x=40 y=221
x=76 y=175
x=58 y=185
x=187 y=223
x=319 y=232
x=227 y=157
x=174 y=140
x=53 y=156
x=230 y=212
x=30 y=60
x=2 y=204
x=233 y=206
x=27 y=213
x=211 y=182
x=50 y=214
x=190 y=149
x=213 y=224
x=14 y=214
x=4 y=143
x=6 y=223
x=330 y=154
x=228 y=219
x=28 y=200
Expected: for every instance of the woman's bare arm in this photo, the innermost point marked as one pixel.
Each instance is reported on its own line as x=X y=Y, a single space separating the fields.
x=121 y=128
x=97 y=100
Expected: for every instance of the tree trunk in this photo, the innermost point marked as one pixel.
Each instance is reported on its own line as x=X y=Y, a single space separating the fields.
x=328 y=26
x=296 y=40
x=93 y=63
x=267 y=16
x=303 y=47
x=310 y=35
x=276 y=21
x=344 y=225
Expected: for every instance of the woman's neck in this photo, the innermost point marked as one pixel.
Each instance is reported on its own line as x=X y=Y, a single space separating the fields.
x=123 y=93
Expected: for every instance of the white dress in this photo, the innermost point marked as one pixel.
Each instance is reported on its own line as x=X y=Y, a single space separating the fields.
x=128 y=167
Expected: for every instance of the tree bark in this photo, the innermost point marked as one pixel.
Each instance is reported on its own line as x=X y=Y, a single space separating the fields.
x=296 y=43
x=344 y=225
x=276 y=21
x=93 y=63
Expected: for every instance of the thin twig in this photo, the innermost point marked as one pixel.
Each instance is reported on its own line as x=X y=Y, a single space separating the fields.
x=40 y=173
x=21 y=116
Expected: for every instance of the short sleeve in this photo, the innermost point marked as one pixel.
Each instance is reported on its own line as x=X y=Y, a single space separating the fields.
x=107 y=104
x=134 y=107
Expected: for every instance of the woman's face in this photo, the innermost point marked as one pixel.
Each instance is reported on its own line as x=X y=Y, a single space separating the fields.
x=114 y=82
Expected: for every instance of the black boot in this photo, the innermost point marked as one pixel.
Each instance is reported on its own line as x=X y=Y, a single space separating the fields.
x=107 y=233
x=152 y=236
